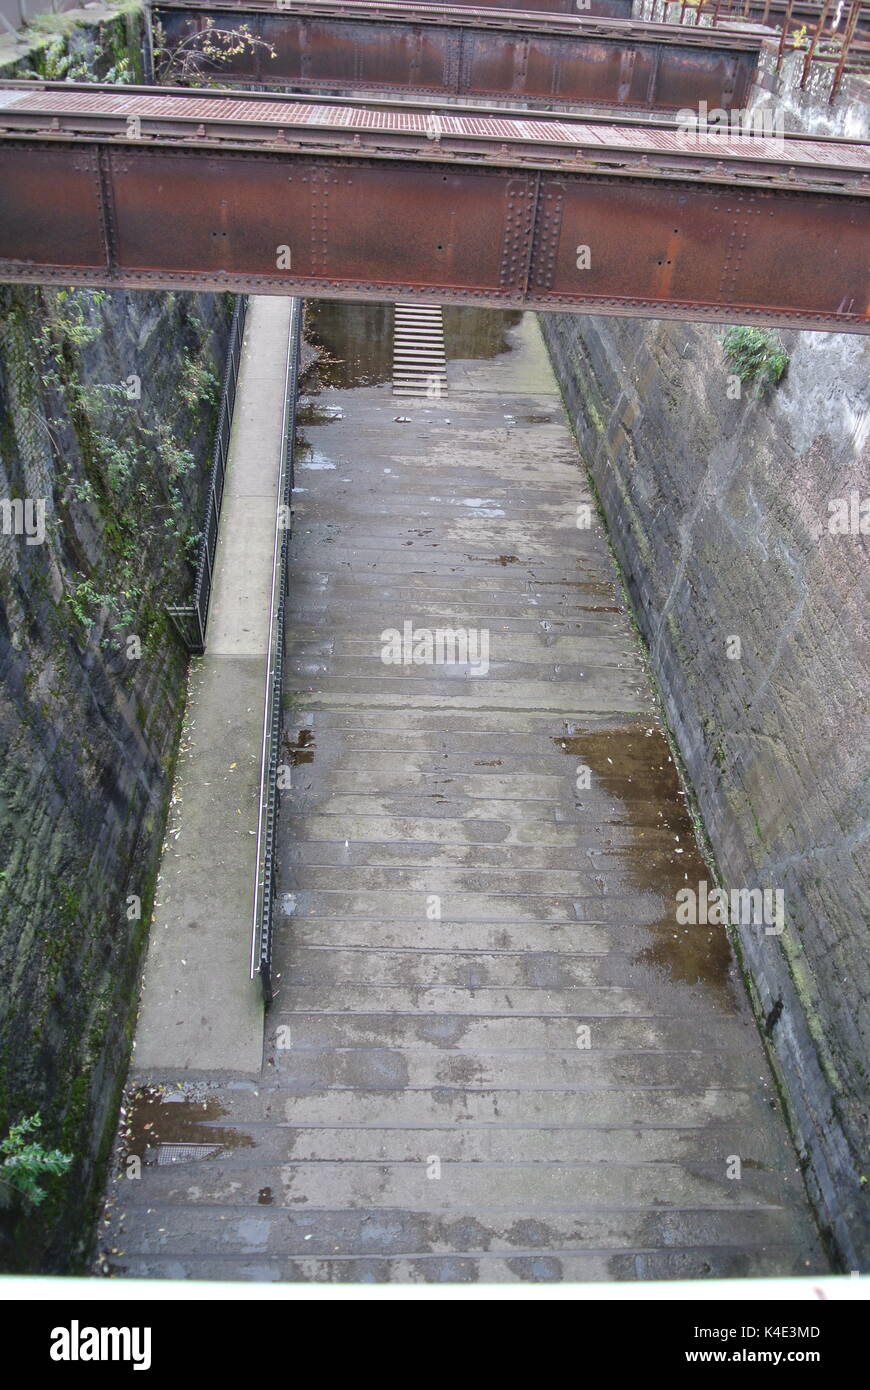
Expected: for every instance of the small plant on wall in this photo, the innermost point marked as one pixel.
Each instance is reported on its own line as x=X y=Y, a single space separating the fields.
x=195 y=60
x=26 y=1162
x=757 y=356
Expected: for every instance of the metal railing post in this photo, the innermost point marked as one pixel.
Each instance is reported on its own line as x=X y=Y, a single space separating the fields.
x=808 y=61
x=849 y=34
x=220 y=454
x=782 y=38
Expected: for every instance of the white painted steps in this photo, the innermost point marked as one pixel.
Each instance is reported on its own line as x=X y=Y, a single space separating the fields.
x=419 y=360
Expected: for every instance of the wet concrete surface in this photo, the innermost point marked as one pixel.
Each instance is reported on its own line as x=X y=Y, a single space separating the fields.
x=493 y=1053
x=194 y=1009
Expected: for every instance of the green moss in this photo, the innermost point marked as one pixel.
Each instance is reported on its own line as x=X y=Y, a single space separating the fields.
x=92 y=40
x=592 y=411
x=78 y=972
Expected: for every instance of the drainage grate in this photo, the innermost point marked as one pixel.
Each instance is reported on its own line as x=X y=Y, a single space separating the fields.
x=419 y=363
x=184 y=1153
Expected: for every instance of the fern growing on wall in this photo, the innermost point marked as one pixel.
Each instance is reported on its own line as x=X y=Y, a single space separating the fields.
x=757 y=355
x=26 y=1162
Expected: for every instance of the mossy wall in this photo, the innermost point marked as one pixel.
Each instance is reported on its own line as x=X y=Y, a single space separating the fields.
x=93 y=684
x=105 y=43
x=719 y=508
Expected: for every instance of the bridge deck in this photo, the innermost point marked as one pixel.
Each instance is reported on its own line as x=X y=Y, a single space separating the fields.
x=137 y=187
x=174 y=116
x=458 y=912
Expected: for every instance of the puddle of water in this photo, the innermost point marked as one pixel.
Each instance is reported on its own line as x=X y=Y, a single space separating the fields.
x=483 y=506
x=315 y=461
x=311 y=412
x=496 y=559
x=177 y=1126
x=355 y=342
x=636 y=771
x=477 y=333
x=302 y=748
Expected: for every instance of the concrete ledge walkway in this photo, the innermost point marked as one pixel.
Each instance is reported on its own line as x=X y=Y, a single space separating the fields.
x=199 y=1012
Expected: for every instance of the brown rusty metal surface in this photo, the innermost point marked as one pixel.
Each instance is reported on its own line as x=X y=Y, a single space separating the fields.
x=607 y=9
x=516 y=20
x=378 y=202
x=773 y=13
x=559 y=61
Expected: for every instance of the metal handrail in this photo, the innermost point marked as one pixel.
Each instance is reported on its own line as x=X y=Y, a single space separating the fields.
x=264 y=877
x=191 y=620
x=850 y=57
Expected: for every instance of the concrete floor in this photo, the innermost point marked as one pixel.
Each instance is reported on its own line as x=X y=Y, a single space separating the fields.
x=196 y=1011
x=493 y=1054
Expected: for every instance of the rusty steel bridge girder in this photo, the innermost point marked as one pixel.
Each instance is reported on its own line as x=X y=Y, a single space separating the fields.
x=551 y=60
x=769 y=12
x=605 y=9
x=153 y=187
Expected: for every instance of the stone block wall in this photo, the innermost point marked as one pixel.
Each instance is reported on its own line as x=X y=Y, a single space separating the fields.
x=92 y=686
x=719 y=513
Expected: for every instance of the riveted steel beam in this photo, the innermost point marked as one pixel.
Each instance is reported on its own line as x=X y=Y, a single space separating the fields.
x=213 y=190
x=551 y=61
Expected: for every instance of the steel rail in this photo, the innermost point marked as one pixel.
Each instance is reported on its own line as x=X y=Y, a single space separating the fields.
x=396 y=103
x=263 y=121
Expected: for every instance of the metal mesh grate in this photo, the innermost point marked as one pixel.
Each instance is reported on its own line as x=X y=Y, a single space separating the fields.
x=184 y=1153
x=598 y=136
